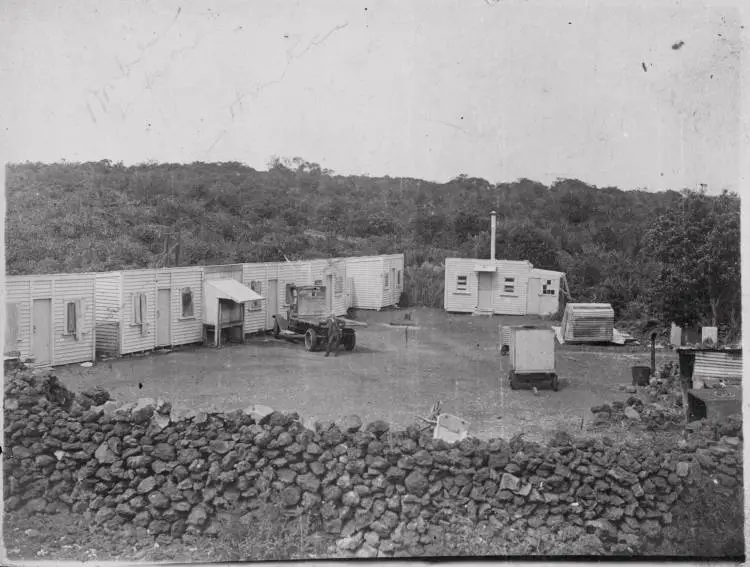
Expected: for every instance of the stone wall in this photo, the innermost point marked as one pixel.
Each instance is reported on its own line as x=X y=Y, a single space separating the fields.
x=378 y=491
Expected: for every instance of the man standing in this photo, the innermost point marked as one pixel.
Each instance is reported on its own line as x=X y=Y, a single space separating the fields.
x=334 y=335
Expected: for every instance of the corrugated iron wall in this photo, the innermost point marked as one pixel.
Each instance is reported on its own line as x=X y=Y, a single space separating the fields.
x=721 y=365
x=588 y=323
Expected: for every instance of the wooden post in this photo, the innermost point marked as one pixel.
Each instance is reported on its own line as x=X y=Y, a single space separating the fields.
x=653 y=353
x=217 y=327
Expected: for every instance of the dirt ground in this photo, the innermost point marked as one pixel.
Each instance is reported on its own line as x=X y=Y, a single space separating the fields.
x=393 y=374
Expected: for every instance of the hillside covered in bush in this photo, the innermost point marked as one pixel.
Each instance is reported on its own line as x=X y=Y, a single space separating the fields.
x=668 y=255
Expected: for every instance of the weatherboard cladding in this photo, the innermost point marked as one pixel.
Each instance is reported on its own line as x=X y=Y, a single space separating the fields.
x=366 y=276
x=503 y=303
x=511 y=303
x=291 y=273
x=455 y=300
x=108 y=312
x=319 y=271
x=588 y=322
x=21 y=291
x=138 y=337
x=183 y=330
x=392 y=265
x=723 y=365
x=255 y=319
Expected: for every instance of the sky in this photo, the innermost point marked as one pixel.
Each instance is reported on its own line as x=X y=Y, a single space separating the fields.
x=641 y=95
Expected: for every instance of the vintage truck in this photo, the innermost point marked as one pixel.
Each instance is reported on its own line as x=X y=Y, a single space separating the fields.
x=306 y=317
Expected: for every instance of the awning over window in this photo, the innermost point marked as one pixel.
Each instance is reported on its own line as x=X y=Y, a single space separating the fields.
x=485 y=268
x=234 y=290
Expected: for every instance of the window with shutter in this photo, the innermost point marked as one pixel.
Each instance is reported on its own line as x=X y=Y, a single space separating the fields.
x=70 y=318
x=187 y=302
x=462 y=283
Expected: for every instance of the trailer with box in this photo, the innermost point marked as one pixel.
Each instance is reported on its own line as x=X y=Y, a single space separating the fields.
x=532 y=357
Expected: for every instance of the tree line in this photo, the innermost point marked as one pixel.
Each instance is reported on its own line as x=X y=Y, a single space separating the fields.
x=671 y=255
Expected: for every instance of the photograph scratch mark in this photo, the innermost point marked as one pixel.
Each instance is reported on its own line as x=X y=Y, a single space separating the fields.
x=91 y=113
x=216 y=141
x=291 y=57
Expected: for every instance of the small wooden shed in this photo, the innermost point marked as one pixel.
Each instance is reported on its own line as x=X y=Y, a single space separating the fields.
x=375 y=282
x=502 y=287
x=224 y=310
x=50 y=318
x=588 y=323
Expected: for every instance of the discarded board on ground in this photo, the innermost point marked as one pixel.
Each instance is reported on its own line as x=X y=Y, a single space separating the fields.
x=450 y=428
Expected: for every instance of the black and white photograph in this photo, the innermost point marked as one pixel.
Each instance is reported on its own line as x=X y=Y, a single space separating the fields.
x=372 y=279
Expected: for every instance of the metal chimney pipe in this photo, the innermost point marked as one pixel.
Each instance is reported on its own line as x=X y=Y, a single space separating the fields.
x=493 y=230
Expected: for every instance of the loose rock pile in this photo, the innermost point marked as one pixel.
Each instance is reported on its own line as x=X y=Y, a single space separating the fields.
x=379 y=492
x=656 y=407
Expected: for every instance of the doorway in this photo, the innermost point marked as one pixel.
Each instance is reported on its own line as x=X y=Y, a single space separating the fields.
x=272 y=302
x=164 y=318
x=533 y=295
x=41 y=342
x=485 y=291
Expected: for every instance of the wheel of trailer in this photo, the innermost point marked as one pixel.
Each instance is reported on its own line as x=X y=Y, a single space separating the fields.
x=555 y=383
x=276 y=329
x=513 y=381
x=311 y=340
x=350 y=340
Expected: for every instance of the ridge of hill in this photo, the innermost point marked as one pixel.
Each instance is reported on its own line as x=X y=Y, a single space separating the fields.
x=100 y=216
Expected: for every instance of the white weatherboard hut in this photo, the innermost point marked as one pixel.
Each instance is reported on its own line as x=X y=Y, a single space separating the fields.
x=375 y=282
x=140 y=310
x=502 y=287
x=50 y=318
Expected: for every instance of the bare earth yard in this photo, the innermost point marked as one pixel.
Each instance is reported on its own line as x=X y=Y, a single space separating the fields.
x=392 y=374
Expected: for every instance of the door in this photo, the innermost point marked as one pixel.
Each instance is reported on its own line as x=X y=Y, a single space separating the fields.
x=329 y=292
x=533 y=296
x=272 y=302
x=42 y=332
x=485 y=291
x=163 y=318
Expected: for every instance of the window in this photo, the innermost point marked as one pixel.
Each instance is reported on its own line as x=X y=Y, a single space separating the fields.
x=386 y=283
x=289 y=296
x=187 y=302
x=547 y=288
x=339 y=285
x=139 y=308
x=462 y=283
x=257 y=287
x=398 y=278
x=509 y=286
x=71 y=317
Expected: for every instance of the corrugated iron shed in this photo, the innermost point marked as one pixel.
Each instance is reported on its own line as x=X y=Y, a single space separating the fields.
x=588 y=322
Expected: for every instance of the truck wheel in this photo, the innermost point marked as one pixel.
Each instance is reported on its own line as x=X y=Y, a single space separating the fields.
x=311 y=340
x=513 y=381
x=276 y=329
x=350 y=341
